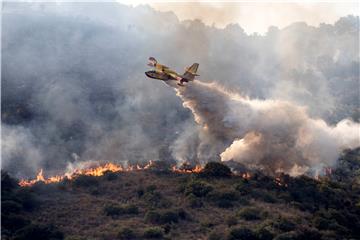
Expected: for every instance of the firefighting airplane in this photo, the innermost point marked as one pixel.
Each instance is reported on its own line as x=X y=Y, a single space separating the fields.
x=164 y=73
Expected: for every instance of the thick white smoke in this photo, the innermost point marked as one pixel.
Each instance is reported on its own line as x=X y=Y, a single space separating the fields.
x=272 y=135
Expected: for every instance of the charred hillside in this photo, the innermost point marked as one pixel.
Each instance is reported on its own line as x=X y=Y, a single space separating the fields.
x=162 y=204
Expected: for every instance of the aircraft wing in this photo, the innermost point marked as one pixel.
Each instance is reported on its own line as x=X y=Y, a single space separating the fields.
x=190 y=73
x=160 y=67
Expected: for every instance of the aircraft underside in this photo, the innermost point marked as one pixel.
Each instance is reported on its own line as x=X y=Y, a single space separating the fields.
x=159 y=76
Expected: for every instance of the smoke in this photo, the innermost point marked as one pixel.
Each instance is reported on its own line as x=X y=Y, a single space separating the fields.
x=17 y=145
x=272 y=135
x=73 y=83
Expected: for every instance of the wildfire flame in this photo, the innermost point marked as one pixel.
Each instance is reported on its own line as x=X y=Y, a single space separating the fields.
x=280 y=182
x=99 y=171
x=197 y=169
x=112 y=167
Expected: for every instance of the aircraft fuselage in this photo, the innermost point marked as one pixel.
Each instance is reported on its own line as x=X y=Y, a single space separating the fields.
x=159 y=76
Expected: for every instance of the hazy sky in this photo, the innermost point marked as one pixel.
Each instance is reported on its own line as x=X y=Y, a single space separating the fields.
x=256 y=16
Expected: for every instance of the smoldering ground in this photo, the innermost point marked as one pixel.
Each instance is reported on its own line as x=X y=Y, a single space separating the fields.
x=73 y=81
x=273 y=135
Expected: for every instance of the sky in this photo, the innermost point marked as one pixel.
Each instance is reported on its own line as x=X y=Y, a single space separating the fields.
x=256 y=16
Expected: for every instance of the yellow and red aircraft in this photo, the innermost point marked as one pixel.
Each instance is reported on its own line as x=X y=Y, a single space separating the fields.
x=164 y=73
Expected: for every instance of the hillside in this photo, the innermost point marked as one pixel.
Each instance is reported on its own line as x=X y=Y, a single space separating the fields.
x=212 y=204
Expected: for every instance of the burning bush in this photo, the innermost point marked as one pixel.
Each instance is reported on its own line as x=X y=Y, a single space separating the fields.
x=215 y=169
x=160 y=166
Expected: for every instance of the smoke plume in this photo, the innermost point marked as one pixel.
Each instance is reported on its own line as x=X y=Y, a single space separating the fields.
x=73 y=87
x=272 y=135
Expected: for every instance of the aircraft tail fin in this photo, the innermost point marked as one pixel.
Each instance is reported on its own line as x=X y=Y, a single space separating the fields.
x=190 y=73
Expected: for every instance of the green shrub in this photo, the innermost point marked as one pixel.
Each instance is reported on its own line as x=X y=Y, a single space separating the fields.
x=194 y=202
x=229 y=195
x=241 y=234
x=323 y=223
x=216 y=169
x=131 y=209
x=169 y=217
x=263 y=195
x=31 y=231
x=152 y=217
x=126 y=233
x=153 y=232
x=250 y=213
x=308 y=233
x=156 y=200
x=243 y=188
x=264 y=234
x=223 y=199
x=284 y=224
x=198 y=188
x=117 y=210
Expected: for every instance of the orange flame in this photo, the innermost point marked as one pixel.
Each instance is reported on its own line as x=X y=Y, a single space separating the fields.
x=197 y=169
x=98 y=171
x=280 y=182
x=246 y=175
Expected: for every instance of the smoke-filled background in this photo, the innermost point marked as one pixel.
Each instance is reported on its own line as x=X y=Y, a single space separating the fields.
x=74 y=89
x=271 y=135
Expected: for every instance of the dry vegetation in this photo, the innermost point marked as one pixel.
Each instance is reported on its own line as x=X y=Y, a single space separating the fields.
x=167 y=205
